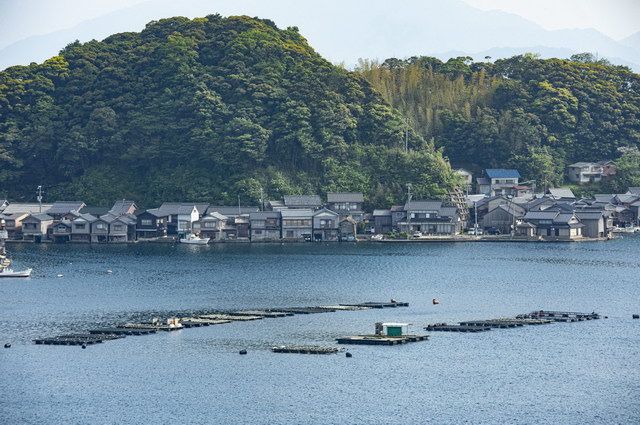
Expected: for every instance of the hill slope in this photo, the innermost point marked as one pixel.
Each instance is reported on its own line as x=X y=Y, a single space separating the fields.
x=206 y=109
x=524 y=112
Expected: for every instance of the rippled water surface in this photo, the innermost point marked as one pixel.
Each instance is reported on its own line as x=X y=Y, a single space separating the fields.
x=577 y=373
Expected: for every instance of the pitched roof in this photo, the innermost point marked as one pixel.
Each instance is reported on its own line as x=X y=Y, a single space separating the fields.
x=180 y=208
x=540 y=215
x=582 y=164
x=483 y=180
x=299 y=213
x=380 y=213
x=448 y=211
x=40 y=216
x=589 y=215
x=634 y=190
x=262 y=215
x=502 y=173
x=63 y=207
x=345 y=197
x=97 y=211
x=325 y=211
x=232 y=211
x=561 y=192
x=423 y=205
x=86 y=217
x=122 y=207
x=302 y=200
x=214 y=215
x=13 y=208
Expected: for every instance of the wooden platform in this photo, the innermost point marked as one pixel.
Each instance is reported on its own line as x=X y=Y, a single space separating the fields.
x=165 y=328
x=305 y=310
x=304 y=349
x=443 y=327
x=121 y=331
x=76 y=339
x=266 y=314
x=230 y=317
x=560 y=316
x=380 y=340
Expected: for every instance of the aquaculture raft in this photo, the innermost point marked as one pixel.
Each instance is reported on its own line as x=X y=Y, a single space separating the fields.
x=304 y=349
x=381 y=339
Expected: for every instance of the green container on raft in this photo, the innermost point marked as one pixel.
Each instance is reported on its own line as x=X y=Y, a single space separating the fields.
x=394 y=330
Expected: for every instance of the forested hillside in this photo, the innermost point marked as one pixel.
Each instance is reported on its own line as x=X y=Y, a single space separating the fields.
x=523 y=112
x=204 y=109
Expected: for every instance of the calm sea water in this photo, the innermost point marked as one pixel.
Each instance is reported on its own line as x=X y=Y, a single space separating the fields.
x=577 y=373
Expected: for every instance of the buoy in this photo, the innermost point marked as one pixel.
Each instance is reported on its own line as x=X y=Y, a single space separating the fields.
x=109 y=271
x=243 y=352
x=84 y=346
x=393 y=301
x=348 y=354
x=60 y=275
x=7 y=345
x=435 y=301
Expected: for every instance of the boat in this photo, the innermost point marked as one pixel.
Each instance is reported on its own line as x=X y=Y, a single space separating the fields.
x=625 y=229
x=194 y=240
x=11 y=273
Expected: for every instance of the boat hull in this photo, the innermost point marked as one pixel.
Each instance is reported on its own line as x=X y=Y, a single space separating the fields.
x=195 y=241
x=11 y=273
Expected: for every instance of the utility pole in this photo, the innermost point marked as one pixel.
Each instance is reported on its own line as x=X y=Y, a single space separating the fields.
x=261 y=199
x=239 y=204
x=475 y=226
x=406 y=135
x=39 y=197
x=3 y=236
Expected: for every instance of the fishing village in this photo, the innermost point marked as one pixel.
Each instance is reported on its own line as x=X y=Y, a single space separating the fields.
x=503 y=209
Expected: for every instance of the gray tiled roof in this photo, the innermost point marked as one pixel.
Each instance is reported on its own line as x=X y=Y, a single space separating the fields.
x=540 y=215
x=345 y=197
x=86 y=217
x=561 y=192
x=589 y=215
x=380 y=213
x=423 y=205
x=41 y=217
x=121 y=207
x=175 y=208
x=302 y=201
x=300 y=213
x=262 y=215
x=63 y=207
x=13 y=208
x=230 y=211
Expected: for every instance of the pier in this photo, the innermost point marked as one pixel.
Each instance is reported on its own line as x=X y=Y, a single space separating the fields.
x=380 y=339
x=443 y=327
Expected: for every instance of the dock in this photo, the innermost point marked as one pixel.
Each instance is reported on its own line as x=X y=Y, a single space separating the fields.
x=304 y=349
x=370 y=304
x=76 y=339
x=560 y=316
x=230 y=317
x=380 y=340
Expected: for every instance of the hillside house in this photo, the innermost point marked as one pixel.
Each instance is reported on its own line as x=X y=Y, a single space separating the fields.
x=297 y=224
x=325 y=225
x=347 y=204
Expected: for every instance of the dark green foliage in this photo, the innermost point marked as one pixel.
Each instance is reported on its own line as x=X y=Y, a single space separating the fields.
x=204 y=109
x=532 y=114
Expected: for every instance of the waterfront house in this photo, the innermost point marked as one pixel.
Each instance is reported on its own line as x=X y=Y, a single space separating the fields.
x=15 y=208
x=297 y=224
x=555 y=224
x=310 y=202
x=398 y=215
x=325 y=225
x=120 y=229
x=179 y=216
x=100 y=231
x=81 y=228
x=241 y=225
x=212 y=226
x=431 y=217
x=347 y=204
x=383 y=222
x=35 y=227
x=13 y=224
x=62 y=209
x=347 y=230
x=595 y=223
x=150 y=225
x=265 y=225
x=61 y=231
x=504 y=217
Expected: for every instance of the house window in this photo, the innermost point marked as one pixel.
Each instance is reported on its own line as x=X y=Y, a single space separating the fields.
x=118 y=227
x=289 y=233
x=101 y=226
x=146 y=222
x=257 y=232
x=209 y=224
x=80 y=226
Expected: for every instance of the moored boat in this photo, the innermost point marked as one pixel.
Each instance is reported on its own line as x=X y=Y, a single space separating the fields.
x=12 y=273
x=194 y=240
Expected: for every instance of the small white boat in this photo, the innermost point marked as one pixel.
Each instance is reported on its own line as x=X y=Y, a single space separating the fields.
x=12 y=273
x=626 y=229
x=194 y=240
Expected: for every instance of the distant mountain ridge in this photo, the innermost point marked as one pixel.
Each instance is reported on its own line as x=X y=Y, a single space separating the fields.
x=419 y=27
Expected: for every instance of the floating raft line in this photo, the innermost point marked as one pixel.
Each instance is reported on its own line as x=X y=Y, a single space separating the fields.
x=560 y=316
x=443 y=327
x=96 y=336
x=304 y=349
x=381 y=340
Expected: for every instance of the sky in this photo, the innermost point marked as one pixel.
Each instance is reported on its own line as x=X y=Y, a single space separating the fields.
x=20 y=19
x=615 y=18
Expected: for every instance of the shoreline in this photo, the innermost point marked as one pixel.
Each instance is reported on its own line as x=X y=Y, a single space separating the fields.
x=424 y=239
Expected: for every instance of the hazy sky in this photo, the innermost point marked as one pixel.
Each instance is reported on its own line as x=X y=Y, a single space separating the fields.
x=616 y=18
